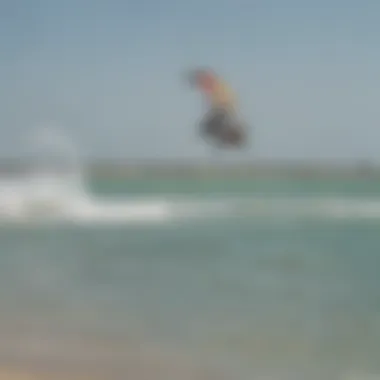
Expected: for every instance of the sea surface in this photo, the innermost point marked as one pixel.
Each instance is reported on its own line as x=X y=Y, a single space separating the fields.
x=243 y=292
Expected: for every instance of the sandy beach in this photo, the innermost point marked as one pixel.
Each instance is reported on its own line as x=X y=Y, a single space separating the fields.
x=77 y=359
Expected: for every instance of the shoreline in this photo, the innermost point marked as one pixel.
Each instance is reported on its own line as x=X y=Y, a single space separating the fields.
x=170 y=169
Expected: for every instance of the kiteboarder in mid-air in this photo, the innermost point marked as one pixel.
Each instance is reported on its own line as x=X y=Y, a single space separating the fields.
x=220 y=124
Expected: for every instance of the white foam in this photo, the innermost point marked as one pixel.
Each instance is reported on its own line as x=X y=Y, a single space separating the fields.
x=19 y=204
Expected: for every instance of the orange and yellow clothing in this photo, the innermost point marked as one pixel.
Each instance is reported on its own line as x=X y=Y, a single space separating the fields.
x=217 y=93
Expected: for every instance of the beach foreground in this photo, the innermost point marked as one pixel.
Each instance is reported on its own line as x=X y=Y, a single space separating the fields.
x=89 y=361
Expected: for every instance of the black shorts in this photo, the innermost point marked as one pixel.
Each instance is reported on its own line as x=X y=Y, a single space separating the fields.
x=219 y=126
x=215 y=122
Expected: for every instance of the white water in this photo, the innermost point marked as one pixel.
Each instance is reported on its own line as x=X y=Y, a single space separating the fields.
x=60 y=194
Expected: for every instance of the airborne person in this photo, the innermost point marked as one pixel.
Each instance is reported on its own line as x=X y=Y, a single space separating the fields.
x=220 y=122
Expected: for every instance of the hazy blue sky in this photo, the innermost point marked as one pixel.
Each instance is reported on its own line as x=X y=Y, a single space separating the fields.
x=307 y=73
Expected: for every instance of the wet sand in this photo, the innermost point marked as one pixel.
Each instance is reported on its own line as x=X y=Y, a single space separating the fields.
x=77 y=360
x=147 y=372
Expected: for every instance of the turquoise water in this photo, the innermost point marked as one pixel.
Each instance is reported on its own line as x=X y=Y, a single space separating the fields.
x=365 y=187
x=287 y=299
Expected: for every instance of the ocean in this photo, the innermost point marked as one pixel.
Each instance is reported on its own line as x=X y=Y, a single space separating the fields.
x=227 y=279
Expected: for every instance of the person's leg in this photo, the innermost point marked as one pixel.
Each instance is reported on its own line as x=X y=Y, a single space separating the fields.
x=234 y=133
x=233 y=136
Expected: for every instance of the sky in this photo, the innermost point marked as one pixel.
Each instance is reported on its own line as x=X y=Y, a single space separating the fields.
x=110 y=73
